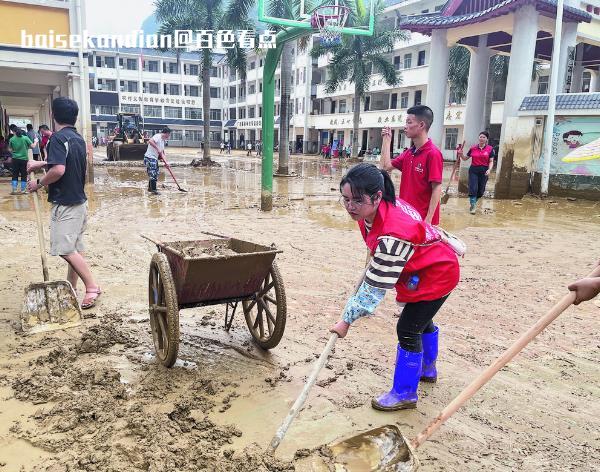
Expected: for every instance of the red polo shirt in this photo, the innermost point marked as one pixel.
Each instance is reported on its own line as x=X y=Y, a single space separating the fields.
x=420 y=167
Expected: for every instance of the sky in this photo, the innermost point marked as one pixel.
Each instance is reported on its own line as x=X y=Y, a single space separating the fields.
x=116 y=16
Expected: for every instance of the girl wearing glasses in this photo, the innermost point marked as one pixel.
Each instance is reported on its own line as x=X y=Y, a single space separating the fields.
x=409 y=257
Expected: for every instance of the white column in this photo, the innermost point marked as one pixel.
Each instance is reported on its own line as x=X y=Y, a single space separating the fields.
x=568 y=39
x=518 y=83
x=437 y=82
x=577 y=81
x=474 y=119
x=594 y=81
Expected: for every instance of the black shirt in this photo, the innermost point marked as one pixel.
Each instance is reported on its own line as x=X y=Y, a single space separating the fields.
x=67 y=147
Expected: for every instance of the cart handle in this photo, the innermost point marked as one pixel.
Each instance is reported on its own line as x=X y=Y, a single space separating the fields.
x=215 y=234
x=152 y=240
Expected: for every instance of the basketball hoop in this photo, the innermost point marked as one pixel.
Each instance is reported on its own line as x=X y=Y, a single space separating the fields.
x=329 y=19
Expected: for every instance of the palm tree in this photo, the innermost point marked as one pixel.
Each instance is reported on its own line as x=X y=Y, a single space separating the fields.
x=289 y=9
x=353 y=56
x=207 y=15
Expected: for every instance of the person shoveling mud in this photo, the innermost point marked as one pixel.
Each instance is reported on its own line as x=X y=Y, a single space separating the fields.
x=410 y=257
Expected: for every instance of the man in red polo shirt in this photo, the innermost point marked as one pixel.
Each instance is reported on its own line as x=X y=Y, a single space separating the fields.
x=421 y=165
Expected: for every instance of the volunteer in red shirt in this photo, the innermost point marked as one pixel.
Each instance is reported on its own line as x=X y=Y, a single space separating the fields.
x=482 y=160
x=409 y=257
x=46 y=134
x=421 y=165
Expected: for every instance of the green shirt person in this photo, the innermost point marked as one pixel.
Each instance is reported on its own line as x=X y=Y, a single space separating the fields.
x=19 y=146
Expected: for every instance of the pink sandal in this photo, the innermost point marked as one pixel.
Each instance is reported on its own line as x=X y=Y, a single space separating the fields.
x=91 y=301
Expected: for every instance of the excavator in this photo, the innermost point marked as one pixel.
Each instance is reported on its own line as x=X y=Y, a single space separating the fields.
x=128 y=142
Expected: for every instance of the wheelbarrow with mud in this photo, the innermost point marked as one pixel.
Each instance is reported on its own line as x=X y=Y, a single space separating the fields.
x=228 y=271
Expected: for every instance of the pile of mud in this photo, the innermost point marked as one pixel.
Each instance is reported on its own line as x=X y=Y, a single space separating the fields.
x=93 y=420
x=217 y=249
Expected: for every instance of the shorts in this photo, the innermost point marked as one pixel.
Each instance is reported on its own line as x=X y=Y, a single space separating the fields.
x=152 y=167
x=67 y=225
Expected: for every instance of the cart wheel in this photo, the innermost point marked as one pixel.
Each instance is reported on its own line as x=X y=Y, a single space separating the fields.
x=265 y=315
x=164 y=310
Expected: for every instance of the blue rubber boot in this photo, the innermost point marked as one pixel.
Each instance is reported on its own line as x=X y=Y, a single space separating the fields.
x=14 y=185
x=403 y=394
x=473 y=201
x=430 y=353
x=23 y=186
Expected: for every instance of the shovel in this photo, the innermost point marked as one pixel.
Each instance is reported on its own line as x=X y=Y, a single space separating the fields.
x=386 y=448
x=173 y=176
x=48 y=305
x=446 y=195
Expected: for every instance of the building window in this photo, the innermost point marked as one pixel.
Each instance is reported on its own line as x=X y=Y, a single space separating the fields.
x=451 y=138
x=342 y=106
x=215 y=136
x=170 y=67
x=152 y=111
x=192 y=90
x=260 y=112
x=407 y=61
x=215 y=92
x=98 y=61
x=171 y=89
x=128 y=86
x=543 y=85
x=333 y=105
x=369 y=68
x=260 y=86
x=232 y=113
x=251 y=89
x=404 y=100
x=151 y=87
x=108 y=110
x=190 y=69
x=172 y=112
x=367 y=103
x=176 y=135
x=252 y=65
x=129 y=108
x=438 y=7
x=251 y=112
x=418 y=94
x=261 y=62
x=452 y=96
x=215 y=114
x=214 y=72
x=394 y=101
x=193 y=113
x=193 y=135
x=151 y=66
x=397 y=65
x=421 y=58
x=242 y=113
x=109 y=85
x=109 y=62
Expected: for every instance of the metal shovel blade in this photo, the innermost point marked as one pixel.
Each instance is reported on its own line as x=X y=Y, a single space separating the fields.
x=49 y=306
x=379 y=449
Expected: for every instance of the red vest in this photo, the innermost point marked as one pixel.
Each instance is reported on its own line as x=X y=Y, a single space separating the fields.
x=436 y=264
x=481 y=157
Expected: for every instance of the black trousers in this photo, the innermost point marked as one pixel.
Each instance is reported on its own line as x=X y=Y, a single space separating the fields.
x=477 y=181
x=416 y=319
x=19 y=168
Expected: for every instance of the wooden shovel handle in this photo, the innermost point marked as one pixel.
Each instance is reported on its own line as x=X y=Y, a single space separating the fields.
x=488 y=373
x=40 y=228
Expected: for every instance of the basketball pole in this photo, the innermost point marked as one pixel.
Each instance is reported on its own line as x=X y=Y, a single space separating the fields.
x=268 y=118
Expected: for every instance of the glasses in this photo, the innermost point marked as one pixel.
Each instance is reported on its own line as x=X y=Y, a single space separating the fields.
x=354 y=202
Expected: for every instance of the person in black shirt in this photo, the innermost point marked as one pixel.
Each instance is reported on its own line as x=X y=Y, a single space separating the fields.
x=66 y=163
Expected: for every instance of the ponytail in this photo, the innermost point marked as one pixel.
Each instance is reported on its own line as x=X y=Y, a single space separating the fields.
x=389 y=192
x=368 y=179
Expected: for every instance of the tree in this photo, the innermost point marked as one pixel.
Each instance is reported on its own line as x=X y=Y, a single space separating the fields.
x=289 y=9
x=211 y=15
x=355 y=57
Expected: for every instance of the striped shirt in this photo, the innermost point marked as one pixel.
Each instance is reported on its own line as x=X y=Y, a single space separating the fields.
x=389 y=259
x=385 y=268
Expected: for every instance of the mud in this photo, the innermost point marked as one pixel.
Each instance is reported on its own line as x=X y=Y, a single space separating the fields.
x=198 y=252
x=93 y=398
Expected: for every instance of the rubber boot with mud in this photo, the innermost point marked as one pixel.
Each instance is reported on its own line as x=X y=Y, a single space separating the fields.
x=430 y=353
x=14 y=184
x=403 y=394
x=473 y=201
x=23 y=186
x=153 y=187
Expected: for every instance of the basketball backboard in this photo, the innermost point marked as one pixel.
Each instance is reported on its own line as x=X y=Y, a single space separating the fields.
x=307 y=7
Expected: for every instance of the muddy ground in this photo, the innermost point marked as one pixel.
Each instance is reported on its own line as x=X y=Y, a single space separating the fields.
x=94 y=399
